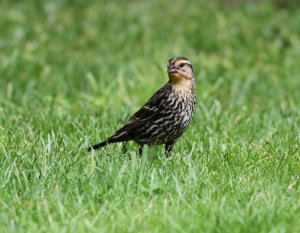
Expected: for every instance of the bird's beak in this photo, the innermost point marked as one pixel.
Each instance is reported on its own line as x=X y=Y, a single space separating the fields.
x=172 y=69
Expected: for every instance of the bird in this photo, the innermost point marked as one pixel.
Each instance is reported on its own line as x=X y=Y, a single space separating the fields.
x=166 y=115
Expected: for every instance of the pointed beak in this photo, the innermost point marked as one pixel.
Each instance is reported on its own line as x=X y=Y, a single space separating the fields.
x=172 y=69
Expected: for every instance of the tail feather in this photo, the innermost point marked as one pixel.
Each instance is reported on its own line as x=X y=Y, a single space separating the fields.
x=99 y=145
x=115 y=138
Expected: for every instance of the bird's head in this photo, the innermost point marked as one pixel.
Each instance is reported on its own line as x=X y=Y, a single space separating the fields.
x=180 y=69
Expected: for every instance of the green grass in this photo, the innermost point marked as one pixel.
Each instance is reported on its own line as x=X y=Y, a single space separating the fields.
x=72 y=72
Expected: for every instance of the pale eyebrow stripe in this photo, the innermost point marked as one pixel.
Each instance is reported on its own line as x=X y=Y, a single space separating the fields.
x=182 y=61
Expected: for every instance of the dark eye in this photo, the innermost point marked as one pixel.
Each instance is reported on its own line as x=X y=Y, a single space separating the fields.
x=181 y=65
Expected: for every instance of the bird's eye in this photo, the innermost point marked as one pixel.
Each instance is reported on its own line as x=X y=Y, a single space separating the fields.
x=181 y=65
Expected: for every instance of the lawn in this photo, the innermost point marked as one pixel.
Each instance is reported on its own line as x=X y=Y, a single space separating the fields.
x=72 y=72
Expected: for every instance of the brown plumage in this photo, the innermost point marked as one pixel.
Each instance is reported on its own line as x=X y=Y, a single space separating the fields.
x=166 y=115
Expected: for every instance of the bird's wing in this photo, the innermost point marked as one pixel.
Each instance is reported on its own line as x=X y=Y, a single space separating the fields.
x=149 y=111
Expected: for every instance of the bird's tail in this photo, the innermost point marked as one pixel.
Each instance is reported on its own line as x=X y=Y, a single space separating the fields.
x=112 y=139
x=99 y=145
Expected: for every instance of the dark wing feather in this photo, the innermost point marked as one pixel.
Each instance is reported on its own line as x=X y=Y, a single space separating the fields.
x=148 y=112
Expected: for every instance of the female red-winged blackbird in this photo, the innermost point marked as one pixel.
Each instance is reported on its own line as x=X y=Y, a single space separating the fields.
x=166 y=115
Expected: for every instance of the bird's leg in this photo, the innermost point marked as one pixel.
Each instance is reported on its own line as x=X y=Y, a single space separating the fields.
x=169 y=146
x=141 y=146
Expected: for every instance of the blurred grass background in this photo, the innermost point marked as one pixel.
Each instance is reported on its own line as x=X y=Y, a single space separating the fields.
x=73 y=71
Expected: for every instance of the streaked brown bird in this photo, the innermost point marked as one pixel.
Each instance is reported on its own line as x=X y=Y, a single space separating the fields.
x=166 y=115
